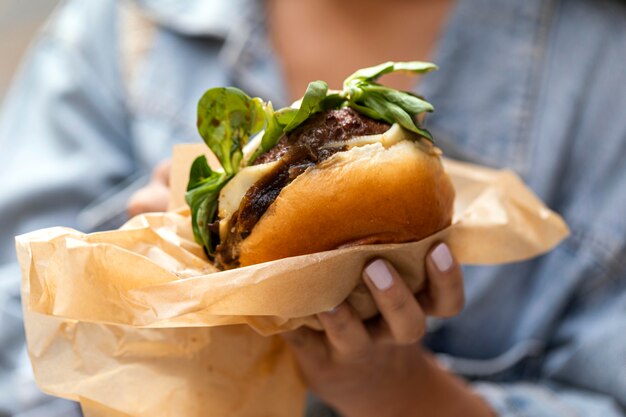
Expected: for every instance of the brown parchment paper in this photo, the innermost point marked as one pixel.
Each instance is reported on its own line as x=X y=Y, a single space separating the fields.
x=135 y=322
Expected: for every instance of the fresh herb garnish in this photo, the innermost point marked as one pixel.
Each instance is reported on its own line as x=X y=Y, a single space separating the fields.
x=364 y=95
x=202 y=195
x=313 y=97
x=228 y=118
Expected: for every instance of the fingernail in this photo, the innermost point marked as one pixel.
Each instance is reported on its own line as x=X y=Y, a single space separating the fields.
x=379 y=274
x=442 y=258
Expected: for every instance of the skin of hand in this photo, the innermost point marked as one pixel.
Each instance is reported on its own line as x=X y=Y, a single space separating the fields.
x=378 y=368
x=154 y=197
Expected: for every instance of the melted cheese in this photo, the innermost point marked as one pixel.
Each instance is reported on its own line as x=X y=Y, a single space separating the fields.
x=233 y=192
x=394 y=135
x=389 y=138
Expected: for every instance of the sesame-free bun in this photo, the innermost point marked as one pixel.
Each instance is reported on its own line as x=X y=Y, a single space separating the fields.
x=368 y=194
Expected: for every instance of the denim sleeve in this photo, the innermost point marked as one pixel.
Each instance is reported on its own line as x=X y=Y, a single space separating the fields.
x=584 y=372
x=536 y=400
x=64 y=136
x=64 y=142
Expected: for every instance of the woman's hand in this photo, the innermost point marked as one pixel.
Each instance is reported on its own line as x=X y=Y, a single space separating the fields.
x=378 y=368
x=375 y=369
x=154 y=196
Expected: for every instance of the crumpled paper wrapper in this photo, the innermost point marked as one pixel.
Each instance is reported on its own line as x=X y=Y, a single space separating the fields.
x=135 y=322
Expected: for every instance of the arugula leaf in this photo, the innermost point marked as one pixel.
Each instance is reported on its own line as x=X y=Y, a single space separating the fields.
x=202 y=193
x=415 y=67
x=375 y=72
x=285 y=115
x=372 y=99
x=333 y=101
x=314 y=95
x=370 y=73
x=367 y=111
x=392 y=113
x=409 y=102
x=274 y=130
x=227 y=118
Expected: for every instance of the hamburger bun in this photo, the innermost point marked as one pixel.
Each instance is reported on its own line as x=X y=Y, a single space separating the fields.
x=368 y=194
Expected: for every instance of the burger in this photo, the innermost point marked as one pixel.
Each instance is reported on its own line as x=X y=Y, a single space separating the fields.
x=337 y=169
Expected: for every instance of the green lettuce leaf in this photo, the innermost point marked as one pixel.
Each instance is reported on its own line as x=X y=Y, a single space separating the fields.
x=313 y=97
x=202 y=194
x=371 y=74
x=227 y=118
x=392 y=113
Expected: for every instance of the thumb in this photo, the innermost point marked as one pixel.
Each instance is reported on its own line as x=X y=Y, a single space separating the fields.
x=152 y=198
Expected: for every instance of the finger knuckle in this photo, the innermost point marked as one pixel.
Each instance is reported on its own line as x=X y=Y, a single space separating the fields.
x=454 y=306
x=338 y=323
x=407 y=341
x=339 y=326
x=412 y=334
x=447 y=299
x=361 y=355
x=401 y=301
x=448 y=281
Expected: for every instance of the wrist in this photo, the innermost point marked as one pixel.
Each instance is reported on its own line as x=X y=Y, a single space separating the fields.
x=445 y=394
x=392 y=398
x=428 y=390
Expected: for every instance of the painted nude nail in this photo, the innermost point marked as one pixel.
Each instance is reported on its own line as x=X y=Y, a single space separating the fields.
x=379 y=274
x=442 y=258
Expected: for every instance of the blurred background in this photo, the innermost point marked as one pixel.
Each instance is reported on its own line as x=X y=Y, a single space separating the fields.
x=19 y=21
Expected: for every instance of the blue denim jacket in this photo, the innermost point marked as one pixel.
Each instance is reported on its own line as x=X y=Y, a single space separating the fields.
x=538 y=86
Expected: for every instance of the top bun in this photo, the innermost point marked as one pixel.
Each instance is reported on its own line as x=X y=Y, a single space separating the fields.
x=366 y=195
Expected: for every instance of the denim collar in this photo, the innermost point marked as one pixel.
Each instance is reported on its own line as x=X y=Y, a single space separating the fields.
x=214 y=18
